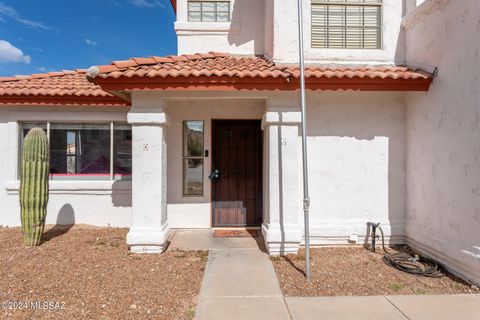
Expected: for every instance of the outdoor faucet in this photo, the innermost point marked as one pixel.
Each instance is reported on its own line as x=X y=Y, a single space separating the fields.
x=373 y=234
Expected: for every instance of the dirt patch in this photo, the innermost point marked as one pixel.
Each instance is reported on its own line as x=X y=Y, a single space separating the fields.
x=91 y=272
x=348 y=271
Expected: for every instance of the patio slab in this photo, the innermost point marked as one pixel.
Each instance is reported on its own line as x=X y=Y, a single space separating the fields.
x=342 y=308
x=444 y=307
x=204 y=240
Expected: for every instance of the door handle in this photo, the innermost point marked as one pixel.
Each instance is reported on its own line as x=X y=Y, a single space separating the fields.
x=214 y=175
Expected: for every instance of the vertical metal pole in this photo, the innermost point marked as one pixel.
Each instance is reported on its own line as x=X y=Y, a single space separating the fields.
x=111 y=151
x=306 y=198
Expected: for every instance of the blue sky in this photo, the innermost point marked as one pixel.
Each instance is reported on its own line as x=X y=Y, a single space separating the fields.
x=38 y=36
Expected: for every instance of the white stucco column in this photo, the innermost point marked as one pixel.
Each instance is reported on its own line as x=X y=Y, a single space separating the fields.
x=282 y=228
x=149 y=229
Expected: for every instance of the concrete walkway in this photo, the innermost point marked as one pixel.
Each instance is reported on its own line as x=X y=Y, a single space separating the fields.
x=240 y=283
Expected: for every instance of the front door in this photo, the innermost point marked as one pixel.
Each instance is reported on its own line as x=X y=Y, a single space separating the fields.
x=237 y=188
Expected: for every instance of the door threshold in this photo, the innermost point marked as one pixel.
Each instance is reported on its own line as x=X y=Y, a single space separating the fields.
x=238 y=228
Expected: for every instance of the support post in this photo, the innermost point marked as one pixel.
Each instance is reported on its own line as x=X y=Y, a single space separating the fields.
x=149 y=230
x=281 y=228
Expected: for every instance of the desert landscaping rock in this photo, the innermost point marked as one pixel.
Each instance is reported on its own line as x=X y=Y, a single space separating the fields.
x=93 y=273
x=350 y=271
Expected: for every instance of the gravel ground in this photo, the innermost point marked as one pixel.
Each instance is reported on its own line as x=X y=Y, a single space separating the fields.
x=91 y=271
x=347 y=271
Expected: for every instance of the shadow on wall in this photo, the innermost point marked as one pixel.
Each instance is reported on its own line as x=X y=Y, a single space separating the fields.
x=122 y=194
x=280 y=190
x=65 y=221
x=247 y=30
x=399 y=58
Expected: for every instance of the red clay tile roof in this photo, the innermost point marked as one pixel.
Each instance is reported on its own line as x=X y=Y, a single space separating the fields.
x=61 y=88
x=219 y=64
x=211 y=71
x=213 y=67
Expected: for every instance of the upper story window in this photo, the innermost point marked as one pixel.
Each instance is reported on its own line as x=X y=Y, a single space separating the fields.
x=350 y=24
x=209 y=11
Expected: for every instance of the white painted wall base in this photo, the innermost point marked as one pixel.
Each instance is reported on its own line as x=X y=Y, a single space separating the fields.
x=281 y=240
x=340 y=233
x=148 y=240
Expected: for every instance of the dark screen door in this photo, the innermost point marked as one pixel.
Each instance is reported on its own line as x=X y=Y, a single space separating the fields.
x=237 y=155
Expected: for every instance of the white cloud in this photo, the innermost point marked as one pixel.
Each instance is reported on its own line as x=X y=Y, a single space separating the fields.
x=147 y=3
x=10 y=12
x=10 y=53
x=91 y=42
x=42 y=69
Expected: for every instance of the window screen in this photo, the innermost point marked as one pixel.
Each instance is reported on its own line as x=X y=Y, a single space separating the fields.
x=351 y=24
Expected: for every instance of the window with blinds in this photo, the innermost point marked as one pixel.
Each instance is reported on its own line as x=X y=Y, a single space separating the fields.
x=349 y=24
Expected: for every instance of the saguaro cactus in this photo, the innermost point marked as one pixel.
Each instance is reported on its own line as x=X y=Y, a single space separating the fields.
x=34 y=185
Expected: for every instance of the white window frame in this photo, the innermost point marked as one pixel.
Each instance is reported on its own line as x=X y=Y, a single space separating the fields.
x=112 y=176
x=360 y=3
x=185 y=157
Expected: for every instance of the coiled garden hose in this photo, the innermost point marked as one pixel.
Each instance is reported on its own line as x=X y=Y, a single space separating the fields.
x=413 y=264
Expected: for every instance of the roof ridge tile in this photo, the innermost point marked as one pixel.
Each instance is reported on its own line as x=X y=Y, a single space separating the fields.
x=144 y=61
x=121 y=64
x=178 y=58
x=163 y=59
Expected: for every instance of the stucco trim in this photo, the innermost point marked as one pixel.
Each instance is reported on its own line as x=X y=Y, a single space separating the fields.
x=78 y=187
x=139 y=118
x=196 y=28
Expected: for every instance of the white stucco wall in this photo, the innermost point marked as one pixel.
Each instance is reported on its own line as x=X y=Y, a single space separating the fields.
x=443 y=135
x=243 y=35
x=356 y=145
x=98 y=203
x=270 y=27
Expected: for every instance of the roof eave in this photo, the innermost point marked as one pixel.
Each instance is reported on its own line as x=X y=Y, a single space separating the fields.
x=225 y=83
x=62 y=101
